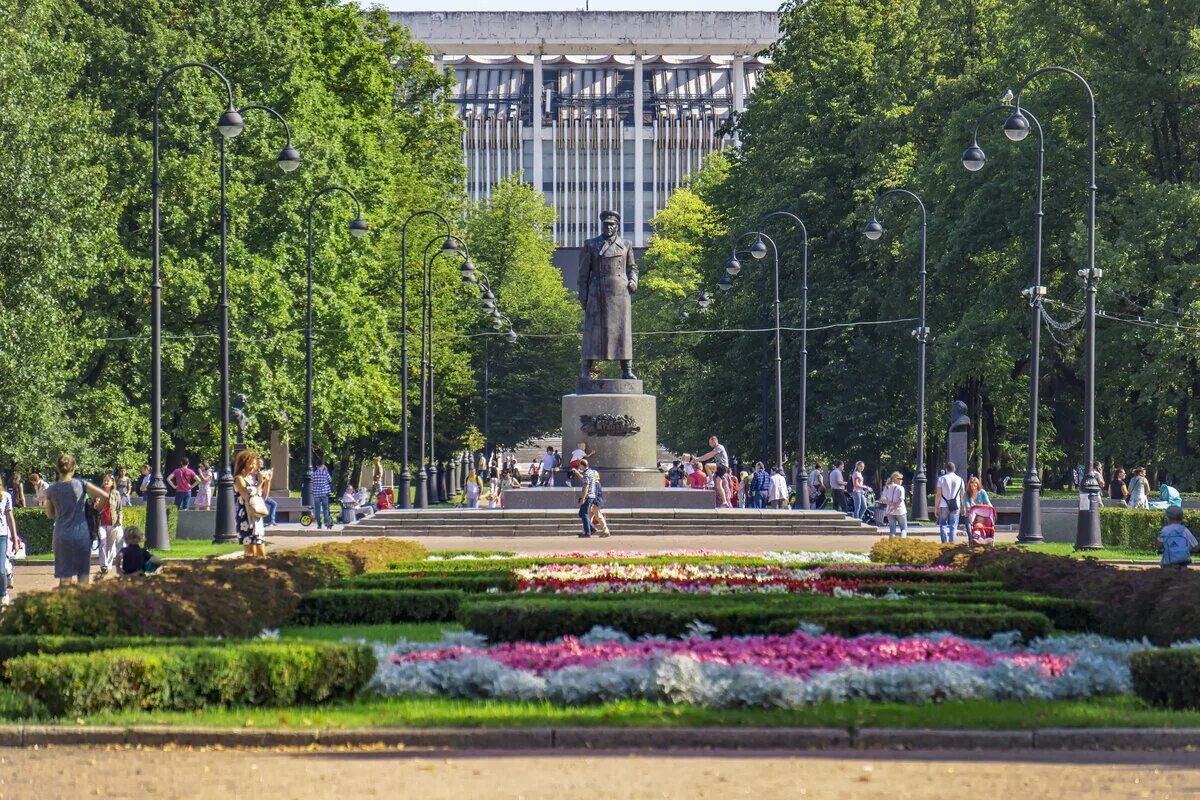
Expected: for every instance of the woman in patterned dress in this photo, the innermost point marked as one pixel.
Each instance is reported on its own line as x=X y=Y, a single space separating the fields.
x=249 y=524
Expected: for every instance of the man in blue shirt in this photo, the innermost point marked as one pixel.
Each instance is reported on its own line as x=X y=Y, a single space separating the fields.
x=591 y=480
x=322 y=487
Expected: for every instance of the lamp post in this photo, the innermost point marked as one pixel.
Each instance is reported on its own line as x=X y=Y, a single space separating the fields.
x=702 y=299
x=288 y=160
x=1030 y=530
x=358 y=227
x=472 y=275
x=873 y=230
x=1016 y=127
x=758 y=251
x=405 y=498
x=229 y=125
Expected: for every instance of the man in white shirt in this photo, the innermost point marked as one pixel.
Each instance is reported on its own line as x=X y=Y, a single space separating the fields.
x=837 y=483
x=548 y=462
x=948 y=502
x=577 y=455
x=779 y=490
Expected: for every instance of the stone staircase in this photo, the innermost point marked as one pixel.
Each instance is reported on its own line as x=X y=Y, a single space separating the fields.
x=627 y=522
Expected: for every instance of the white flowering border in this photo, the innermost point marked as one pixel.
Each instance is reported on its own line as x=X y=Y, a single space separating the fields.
x=1100 y=668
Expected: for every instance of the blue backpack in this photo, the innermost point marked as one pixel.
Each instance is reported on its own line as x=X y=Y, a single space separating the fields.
x=1175 y=549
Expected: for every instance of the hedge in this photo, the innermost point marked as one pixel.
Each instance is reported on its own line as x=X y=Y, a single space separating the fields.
x=544 y=619
x=188 y=678
x=376 y=606
x=16 y=646
x=907 y=576
x=1065 y=613
x=1169 y=678
x=490 y=565
x=911 y=552
x=470 y=582
x=38 y=530
x=1137 y=529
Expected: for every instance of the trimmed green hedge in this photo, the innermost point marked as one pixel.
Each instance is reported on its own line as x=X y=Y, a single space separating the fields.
x=38 y=530
x=1065 y=613
x=16 y=646
x=188 y=678
x=471 y=582
x=376 y=606
x=1137 y=529
x=546 y=617
x=1169 y=677
x=906 y=576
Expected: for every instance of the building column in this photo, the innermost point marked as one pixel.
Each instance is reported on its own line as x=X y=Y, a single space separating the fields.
x=537 y=102
x=639 y=194
x=439 y=63
x=739 y=83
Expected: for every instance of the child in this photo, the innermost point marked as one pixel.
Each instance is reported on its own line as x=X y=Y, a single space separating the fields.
x=1175 y=541
x=133 y=558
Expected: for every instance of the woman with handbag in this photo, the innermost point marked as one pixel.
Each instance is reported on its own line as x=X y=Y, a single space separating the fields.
x=250 y=507
x=112 y=524
x=66 y=504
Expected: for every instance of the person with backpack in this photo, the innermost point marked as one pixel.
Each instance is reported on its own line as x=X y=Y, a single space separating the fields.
x=1175 y=541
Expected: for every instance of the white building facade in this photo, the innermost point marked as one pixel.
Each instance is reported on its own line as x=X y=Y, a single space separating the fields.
x=598 y=109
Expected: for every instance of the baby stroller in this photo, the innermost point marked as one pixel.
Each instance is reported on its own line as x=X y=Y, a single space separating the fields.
x=982 y=521
x=869 y=501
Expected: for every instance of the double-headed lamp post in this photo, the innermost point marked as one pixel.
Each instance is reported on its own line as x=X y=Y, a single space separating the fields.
x=758 y=251
x=358 y=227
x=471 y=275
x=701 y=300
x=288 y=160
x=973 y=159
x=873 y=230
x=229 y=124
x=405 y=498
x=1016 y=127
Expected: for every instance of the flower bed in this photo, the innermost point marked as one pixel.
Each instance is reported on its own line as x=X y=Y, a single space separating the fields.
x=765 y=671
x=671 y=577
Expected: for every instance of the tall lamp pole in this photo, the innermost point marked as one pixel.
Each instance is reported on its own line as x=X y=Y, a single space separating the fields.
x=732 y=267
x=229 y=125
x=873 y=230
x=288 y=160
x=1030 y=530
x=405 y=498
x=358 y=227
x=1016 y=127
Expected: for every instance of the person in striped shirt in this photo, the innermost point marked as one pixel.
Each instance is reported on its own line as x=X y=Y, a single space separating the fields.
x=591 y=480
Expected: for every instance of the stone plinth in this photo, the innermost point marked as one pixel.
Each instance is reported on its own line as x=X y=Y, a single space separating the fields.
x=614 y=498
x=279 y=464
x=620 y=425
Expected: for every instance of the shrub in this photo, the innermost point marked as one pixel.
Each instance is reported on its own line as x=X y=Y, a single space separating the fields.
x=38 y=530
x=544 y=618
x=1137 y=529
x=907 y=576
x=187 y=678
x=368 y=555
x=202 y=598
x=912 y=552
x=465 y=582
x=376 y=606
x=1169 y=678
x=15 y=646
x=1065 y=613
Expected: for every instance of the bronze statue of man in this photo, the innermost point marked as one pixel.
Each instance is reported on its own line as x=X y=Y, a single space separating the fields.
x=608 y=277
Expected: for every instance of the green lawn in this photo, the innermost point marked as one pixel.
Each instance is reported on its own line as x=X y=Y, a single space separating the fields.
x=445 y=712
x=415 y=632
x=1068 y=549
x=183 y=548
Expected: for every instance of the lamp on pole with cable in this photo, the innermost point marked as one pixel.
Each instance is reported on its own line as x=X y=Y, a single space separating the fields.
x=873 y=230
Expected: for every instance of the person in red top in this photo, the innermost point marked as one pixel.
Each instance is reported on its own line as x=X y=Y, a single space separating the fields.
x=697 y=479
x=183 y=481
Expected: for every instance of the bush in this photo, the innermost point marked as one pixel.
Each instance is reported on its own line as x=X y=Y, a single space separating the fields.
x=1169 y=678
x=908 y=576
x=543 y=618
x=376 y=606
x=911 y=552
x=469 y=582
x=15 y=646
x=202 y=598
x=368 y=555
x=1065 y=613
x=1159 y=604
x=38 y=530
x=1136 y=529
x=187 y=678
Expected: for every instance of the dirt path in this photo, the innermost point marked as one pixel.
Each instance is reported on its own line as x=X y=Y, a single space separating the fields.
x=79 y=772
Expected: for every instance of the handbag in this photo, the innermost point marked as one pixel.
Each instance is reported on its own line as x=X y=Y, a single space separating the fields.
x=256 y=506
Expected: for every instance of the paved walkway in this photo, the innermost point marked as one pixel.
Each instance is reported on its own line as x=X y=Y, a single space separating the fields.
x=222 y=774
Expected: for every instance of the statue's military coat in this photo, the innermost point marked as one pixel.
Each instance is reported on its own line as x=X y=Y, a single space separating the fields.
x=608 y=277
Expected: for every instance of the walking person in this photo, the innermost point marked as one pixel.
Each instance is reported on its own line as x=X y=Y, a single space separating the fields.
x=112 y=527
x=8 y=537
x=321 y=488
x=859 y=490
x=376 y=477
x=779 y=491
x=816 y=486
x=183 y=480
x=549 y=463
x=948 y=502
x=16 y=488
x=204 y=490
x=1139 y=489
x=760 y=487
x=1118 y=490
x=837 y=484
x=897 y=511
x=144 y=482
x=587 y=497
x=249 y=508
x=473 y=488
x=66 y=502
x=124 y=485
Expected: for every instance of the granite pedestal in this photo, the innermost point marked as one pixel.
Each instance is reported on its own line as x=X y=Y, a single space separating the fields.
x=620 y=425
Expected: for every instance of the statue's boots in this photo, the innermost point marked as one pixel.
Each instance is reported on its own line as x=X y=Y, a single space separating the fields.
x=627 y=370
x=586 y=373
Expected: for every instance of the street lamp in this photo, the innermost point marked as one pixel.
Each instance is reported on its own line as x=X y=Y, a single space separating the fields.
x=702 y=300
x=873 y=231
x=405 y=497
x=1087 y=528
x=358 y=227
x=1030 y=530
x=229 y=124
x=759 y=251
